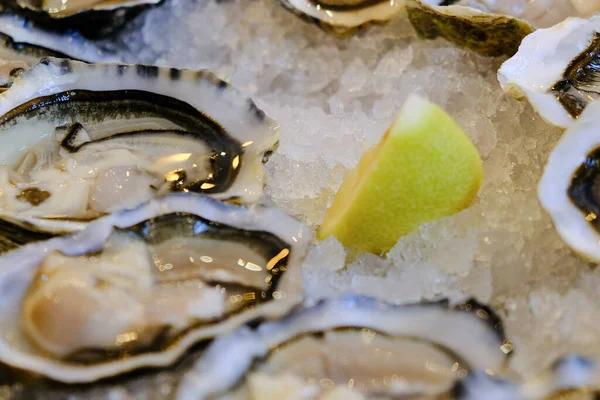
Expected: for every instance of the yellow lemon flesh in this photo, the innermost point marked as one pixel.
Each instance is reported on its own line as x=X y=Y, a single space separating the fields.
x=424 y=168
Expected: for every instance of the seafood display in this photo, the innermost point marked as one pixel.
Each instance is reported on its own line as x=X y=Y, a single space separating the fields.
x=135 y=231
x=139 y=288
x=334 y=349
x=84 y=140
x=556 y=70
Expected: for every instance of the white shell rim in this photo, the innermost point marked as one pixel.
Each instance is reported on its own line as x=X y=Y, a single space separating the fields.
x=213 y=374
x=577 y=142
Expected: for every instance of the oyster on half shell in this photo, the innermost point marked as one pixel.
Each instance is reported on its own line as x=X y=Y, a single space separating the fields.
x=556 y=70
x=138 y=288
x=81 y=141
x=351 y=348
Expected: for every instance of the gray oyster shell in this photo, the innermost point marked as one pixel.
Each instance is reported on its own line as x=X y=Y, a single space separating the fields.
x=488 y=34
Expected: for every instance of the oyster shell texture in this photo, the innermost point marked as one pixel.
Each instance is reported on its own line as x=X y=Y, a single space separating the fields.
x=138 y=288
x=104 y=137
x=340 y=340
x=23 y=44
x=488 y=34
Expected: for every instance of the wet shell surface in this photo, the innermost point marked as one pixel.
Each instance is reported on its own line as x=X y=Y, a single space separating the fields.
x=139 y=288
x=488 y=34
x=23 y=44
x=81 y=141
x=348 y=348
x=556 y=70
x=568 y=190
x=93 y=19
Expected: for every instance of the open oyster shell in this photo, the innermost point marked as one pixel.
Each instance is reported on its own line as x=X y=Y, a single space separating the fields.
x=556 y=69
x=139 y=288
x=92 y=18
x=568 y=190
x=377 y=349
x=488 y=34
x=81 y=141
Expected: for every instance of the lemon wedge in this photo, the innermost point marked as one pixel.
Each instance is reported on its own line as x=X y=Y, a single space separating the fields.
x=424 y=168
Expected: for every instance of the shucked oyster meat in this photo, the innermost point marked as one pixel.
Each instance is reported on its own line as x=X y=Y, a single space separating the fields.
x=169 y=274
x=556 y=69
x=104 y=137
x=351 y=348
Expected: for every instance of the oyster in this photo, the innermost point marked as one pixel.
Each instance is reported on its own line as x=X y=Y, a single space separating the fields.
x=568 y=190
x=351 y=348
x=343 y=17
x=81 y=141
x=23 y=44
x=139 y=288
x=488 y=34
x=92 y=18
x=556 y=69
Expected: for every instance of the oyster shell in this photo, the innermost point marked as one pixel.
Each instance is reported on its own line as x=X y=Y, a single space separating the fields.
x=344 y=17
x=568 y=190
x=92 y=18
x=488 y=34
x=104 y=137
x=139 y=288
x=556 y=69
x=23 y=44
x=379 y=349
